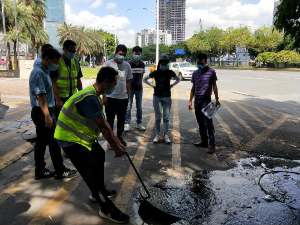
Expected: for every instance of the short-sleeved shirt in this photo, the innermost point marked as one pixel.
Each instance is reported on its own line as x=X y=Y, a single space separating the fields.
x=203 y=81
x=37 y=61
x=40 y=83
x=162 y=82
x=137 y=75
x=54 y=74
x=90 y=108
x=124 y=70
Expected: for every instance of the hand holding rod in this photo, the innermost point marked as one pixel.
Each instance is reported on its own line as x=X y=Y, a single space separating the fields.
x=138 y=175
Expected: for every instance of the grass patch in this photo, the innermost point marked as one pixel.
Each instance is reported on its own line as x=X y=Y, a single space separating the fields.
x=89 y=73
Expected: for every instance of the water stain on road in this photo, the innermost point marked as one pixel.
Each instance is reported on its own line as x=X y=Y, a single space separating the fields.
x=256 y=191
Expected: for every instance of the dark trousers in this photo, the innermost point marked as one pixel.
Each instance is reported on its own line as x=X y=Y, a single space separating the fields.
x=116 y=107
x=206 y=125
x=45 y=136
x=90 y=165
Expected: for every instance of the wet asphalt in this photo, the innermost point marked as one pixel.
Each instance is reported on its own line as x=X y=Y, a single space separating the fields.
x=257 y=132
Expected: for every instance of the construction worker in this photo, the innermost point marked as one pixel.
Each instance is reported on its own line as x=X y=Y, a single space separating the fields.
x=79 y=123
x=66 y=80
x=43 y=116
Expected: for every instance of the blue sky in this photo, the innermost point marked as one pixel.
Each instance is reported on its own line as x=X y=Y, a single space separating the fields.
x=221 y=13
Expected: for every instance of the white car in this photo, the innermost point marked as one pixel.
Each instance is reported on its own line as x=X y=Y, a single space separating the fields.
x=183 y=70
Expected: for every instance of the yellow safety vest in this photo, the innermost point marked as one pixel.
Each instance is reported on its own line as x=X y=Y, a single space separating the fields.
x=67 y=78
x=72 y=127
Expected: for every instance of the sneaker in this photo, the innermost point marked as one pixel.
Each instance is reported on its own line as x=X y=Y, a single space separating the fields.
x=201 y=144
x=140 y=127
x=167 y=139
x=210 y=150
x=109 y=194
x=67 y=173
x=44 y=174
x=156 y=139
x=112 y=213
x=122 y=141
x=126 y=127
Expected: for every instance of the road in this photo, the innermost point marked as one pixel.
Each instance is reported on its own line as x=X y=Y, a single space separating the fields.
x=259 y=116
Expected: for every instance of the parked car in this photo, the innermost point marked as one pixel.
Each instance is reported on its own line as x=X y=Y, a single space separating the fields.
x=183 y=70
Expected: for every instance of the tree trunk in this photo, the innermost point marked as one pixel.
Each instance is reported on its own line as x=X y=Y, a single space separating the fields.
x=16 y=63
x=9 y=57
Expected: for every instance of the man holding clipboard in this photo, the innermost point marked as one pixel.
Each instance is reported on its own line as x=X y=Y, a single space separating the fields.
x=204 y=82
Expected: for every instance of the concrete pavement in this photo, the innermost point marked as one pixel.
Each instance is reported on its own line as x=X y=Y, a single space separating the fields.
x=243 y=128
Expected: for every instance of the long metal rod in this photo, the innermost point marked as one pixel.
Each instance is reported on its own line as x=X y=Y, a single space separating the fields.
x=138 y=175
x=4 y=34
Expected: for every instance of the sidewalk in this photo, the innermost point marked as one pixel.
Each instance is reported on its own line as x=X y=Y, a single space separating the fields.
x=20 y=87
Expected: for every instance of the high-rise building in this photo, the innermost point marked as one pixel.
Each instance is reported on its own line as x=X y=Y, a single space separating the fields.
x=276 y=4
x=172 y=17
x=55 y=12
x=138 y=39
x=148 y=37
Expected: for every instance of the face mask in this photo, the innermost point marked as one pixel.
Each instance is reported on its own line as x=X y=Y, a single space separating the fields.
x=200 y=66
x=163 y=67
x=53 y=67
x=137 y=57
x=120 y=58
x=109 y=91
x=70 y=55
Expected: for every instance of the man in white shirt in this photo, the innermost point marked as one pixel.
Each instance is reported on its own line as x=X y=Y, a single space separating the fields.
x=116 y=100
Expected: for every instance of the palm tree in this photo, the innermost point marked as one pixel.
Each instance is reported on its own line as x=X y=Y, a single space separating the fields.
x=97 y=48
x=84 y=42
x=65 y=32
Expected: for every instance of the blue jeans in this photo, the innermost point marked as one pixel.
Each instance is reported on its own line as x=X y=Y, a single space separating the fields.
x=138 y=97
x=206 y=125
x=162 y=106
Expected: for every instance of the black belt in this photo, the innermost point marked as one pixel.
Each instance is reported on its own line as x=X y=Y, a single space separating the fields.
x=205 y=97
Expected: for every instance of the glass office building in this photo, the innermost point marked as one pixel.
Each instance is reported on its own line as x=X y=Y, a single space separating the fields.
x=55 y=11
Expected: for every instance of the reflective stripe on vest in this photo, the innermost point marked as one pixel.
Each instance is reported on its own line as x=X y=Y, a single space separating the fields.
x=67 y=78
x=72 y=127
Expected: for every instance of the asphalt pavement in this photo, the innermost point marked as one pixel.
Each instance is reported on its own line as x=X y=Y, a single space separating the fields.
x=259 y=117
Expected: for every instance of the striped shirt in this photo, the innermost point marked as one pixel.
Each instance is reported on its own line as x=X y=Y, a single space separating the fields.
x=203 y=81
x=137 y=73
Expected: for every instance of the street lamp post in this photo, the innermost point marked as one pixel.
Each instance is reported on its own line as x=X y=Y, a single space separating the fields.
x=116 y=24
x=157 y=27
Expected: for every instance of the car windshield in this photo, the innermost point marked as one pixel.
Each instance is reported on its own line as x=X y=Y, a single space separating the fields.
x=185 y=65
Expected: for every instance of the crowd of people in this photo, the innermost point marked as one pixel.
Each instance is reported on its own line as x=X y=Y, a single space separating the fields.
x=71 y=118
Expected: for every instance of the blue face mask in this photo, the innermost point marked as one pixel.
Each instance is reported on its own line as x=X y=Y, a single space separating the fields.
x=120 y=58
x=200 y=66
x=164 y=67
x=109 y=91
x=137 y=57
x=70 y=55
x=53 y=67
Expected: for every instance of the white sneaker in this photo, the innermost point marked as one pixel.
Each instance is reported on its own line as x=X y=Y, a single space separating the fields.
x=126 y=127
x=156 y=139
x=140 y=127
x=167 y=139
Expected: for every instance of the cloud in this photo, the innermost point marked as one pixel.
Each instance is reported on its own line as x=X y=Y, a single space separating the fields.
x=89 y=20
x=96 y=3
x=225 y=13
x=111 y=5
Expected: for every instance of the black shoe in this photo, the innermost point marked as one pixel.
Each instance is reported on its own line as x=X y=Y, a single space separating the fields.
x=67 y=173
x=112 y=213
x=44 y=174
x=201 y=144
x=122 y=141
x=109 y=194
